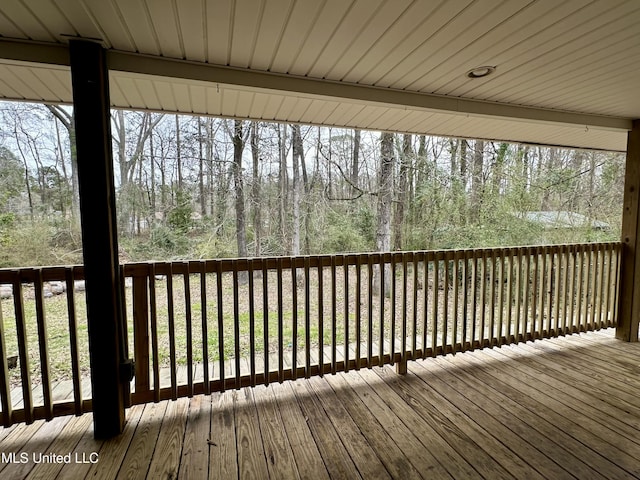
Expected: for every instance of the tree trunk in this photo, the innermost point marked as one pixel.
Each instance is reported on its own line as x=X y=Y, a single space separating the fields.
x=477 y=186
x=178 y=153
x=255 y=189
x=67 y=121
x=355 y=162
x=201 y=196
x=282 y=183
x=398 y=219
x=241 y=226
x=385 y=197
x=296 y=140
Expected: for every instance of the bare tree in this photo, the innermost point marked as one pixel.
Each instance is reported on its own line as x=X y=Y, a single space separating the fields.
x=403 y=183
x=239 y=140
x=66 y=119
x=255 y=188
x=385 y=197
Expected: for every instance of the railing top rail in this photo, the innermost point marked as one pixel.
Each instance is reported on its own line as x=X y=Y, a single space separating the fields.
x=58 y=273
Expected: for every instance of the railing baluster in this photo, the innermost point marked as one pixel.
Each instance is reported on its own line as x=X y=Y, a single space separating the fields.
x=616 y=280
x=492 y=299
x=533 y=285
x=571 y=274
x=434 y=306
x=601 y=280
x=508 y=263
x=499 y=259
x=456 y=295
x=220 y=311
x=382 y=294
x=557 y=265
x=580 y=255
x=172 y=333
x=320 y=316
x=445 y=306
x=565 y=288
x=70 y=276
x=141 y=332
x=334 y=315
x=236 y=322
x=465 y=299
x=526 y=270
x=403 y=327
x=414 y=302
x=542 y=291
x=307 y=320
x=205 y=328
x=358 y=324
x=188 y=326
x=608 y=276
x=483 y=297
x=280 y=322
x=252 y=325
x=294 y=320
x=345 y=269
x=370 y=313
x=265 y=319
x=590 y=290
x=518 y=290
x=549 y=257
x=425 y=310
x=5 y=387
x=153 y=317
x=43 y=344
x=23 y=349
x=392 y=280
x=474 y=298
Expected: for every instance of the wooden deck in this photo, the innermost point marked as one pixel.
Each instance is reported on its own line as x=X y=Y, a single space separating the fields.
x=560 y=408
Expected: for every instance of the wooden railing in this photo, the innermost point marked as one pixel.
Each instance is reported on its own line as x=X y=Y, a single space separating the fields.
x=202 y=326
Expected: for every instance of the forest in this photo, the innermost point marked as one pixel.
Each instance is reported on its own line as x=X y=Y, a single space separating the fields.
x=192 y=187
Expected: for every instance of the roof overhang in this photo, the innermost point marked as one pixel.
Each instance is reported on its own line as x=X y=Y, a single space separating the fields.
x=39 y=71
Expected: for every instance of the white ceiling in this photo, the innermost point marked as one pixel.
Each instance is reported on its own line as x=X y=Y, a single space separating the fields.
x=566 y=71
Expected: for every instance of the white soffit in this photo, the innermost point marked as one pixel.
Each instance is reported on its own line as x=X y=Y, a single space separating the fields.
x=566 y=71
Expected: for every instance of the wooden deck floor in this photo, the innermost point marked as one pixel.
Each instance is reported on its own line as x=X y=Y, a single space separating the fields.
x=560 y=408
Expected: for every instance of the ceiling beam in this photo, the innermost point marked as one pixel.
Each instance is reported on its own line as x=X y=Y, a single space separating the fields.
x=165 y=67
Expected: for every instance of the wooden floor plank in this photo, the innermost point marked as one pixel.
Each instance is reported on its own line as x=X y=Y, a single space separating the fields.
x=402 y=453
x=357 y=445
x=87 y=446
x=543 y=436
x=223 y=457
x=449 y=459
x=520 y=457
x=113 y=451
x=138 y=457
x=37 y=445
x=338 y=463
x=559 y=408
x=591 y=395
x=280 y=459
x=251 y=456
x=309 y=462
x=165 y=461
x=608 y=437
x=17 y=438
x=453 y=425
x=64 y=444
x=616 y=383
x=555 y=412
x=194 y=463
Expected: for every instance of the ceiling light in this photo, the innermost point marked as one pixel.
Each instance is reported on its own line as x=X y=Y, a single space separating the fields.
x=480 y=72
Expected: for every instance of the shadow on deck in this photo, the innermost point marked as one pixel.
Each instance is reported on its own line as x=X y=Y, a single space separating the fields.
x=560 y=408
